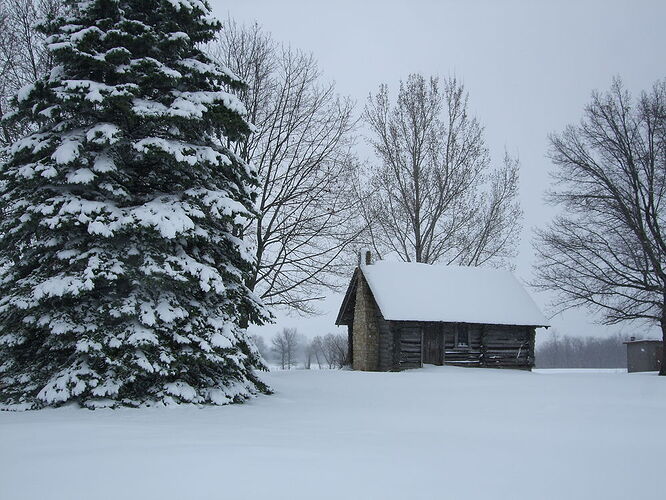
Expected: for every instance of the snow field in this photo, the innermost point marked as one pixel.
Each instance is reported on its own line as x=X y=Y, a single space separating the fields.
x=434 y=433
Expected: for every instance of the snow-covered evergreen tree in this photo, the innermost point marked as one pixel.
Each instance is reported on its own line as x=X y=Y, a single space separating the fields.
x=122 y=276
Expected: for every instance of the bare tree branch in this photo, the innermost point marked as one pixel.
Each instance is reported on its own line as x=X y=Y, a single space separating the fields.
x=301 y=149
x=607 y=251
x=285 y=346
x=434 y=196
x=23 y=55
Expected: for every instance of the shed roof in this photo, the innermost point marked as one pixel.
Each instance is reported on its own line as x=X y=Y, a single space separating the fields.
x=407 y=291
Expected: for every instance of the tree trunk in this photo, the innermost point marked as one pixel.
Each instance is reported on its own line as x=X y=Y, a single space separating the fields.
x=662 y=368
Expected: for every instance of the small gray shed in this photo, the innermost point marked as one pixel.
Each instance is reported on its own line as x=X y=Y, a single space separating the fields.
x=644 y=355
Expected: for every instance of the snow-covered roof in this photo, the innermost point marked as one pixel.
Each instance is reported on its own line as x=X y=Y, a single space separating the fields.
x=407 y=291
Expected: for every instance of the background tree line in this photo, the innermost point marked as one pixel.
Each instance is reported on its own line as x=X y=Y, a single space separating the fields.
x=289 y=349
x=582 y=352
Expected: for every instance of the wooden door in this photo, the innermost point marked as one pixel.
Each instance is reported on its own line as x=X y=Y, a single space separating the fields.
x=433 y=345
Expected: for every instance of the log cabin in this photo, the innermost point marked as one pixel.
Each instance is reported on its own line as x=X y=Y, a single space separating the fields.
x=403 y=315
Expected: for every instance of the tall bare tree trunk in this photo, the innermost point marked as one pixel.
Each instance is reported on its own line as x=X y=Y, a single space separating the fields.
x=662 y=367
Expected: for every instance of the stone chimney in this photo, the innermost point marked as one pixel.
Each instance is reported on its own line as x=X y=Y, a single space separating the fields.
x=364 y=257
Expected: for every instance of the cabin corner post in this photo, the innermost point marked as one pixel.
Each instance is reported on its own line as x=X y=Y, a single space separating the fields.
x=532 y=355
x=350 y=345
x=483 y=348
x=422 y=346
x=440 y=332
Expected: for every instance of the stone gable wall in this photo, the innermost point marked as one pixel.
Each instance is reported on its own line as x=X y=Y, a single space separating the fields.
x=366 y=332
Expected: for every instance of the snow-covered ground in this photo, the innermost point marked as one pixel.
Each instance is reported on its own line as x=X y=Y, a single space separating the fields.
x=434 y=433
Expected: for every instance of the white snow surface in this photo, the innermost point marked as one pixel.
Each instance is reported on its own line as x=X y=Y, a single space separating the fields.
x=409 y=291
x=433 y=433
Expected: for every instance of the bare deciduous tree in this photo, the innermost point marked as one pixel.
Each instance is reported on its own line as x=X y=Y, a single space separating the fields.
x=335 y=349
x=23 y=55
x=315 y=348
x=434 y=196
x=285 y=345
x=606 y=251
x=301 y=149
x=332 y=348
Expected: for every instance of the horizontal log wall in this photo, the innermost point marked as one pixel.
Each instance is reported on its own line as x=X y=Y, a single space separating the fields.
x=509 y=346
x=410 y=347
x=497 y=346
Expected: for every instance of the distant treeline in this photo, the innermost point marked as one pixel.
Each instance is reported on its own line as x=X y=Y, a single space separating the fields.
x=575 y=352
x=289 y=349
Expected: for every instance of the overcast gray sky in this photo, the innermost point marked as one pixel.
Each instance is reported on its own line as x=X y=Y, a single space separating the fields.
x=529 y=67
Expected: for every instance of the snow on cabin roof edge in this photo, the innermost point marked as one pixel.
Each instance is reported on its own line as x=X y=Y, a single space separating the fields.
x=409 y=291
